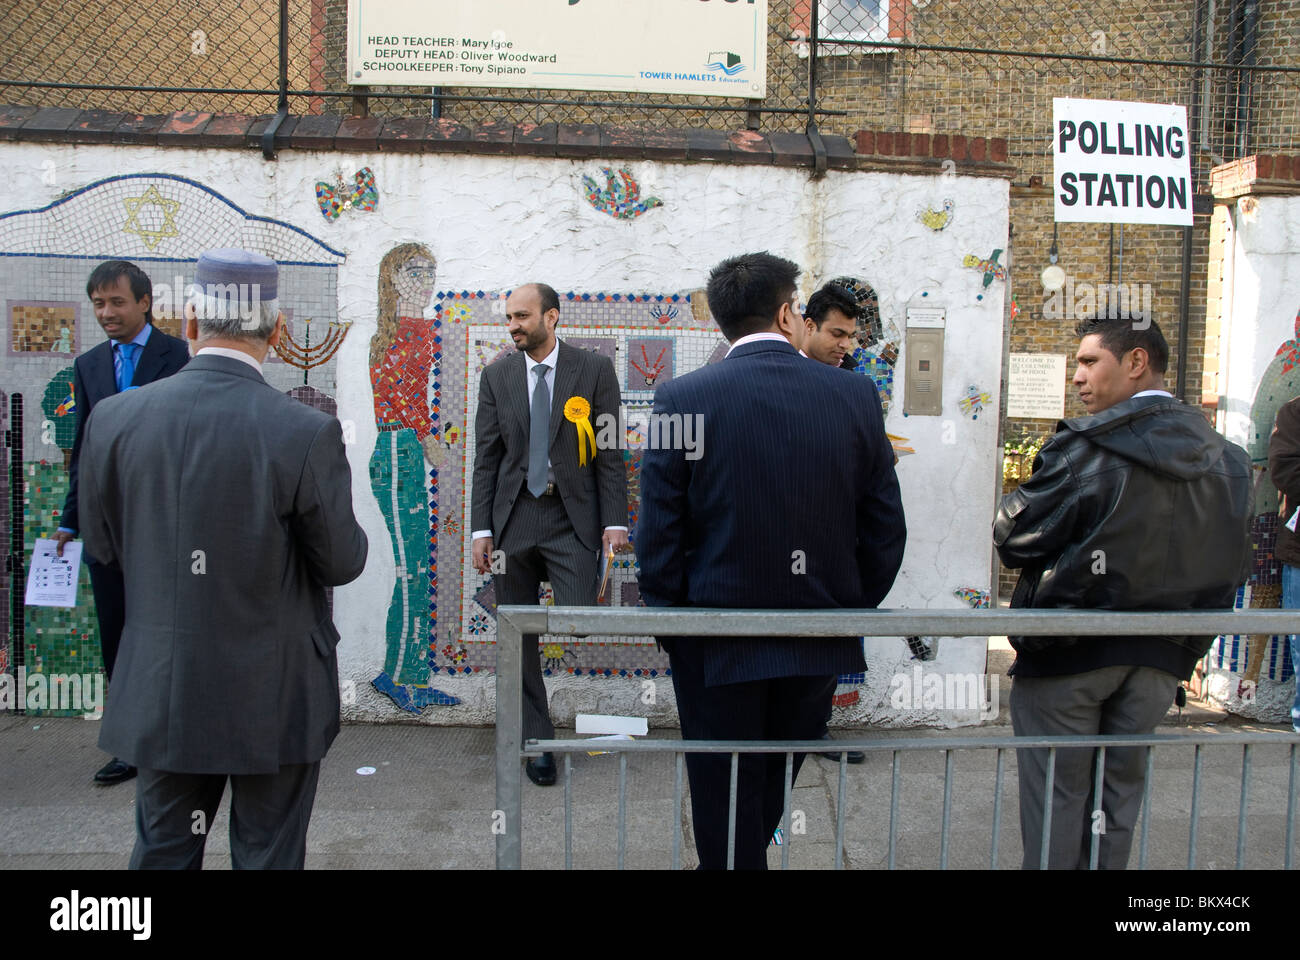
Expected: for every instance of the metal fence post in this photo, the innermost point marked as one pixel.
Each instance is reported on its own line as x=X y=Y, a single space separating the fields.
x=508 y=816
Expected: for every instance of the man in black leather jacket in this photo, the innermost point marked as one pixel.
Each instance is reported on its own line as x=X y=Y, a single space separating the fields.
x=1139 y=506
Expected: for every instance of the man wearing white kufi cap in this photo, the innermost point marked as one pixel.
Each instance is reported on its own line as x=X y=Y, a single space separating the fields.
x=228 y=507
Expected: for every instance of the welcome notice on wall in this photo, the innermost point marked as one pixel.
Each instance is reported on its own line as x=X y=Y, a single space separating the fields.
x=1119 y=162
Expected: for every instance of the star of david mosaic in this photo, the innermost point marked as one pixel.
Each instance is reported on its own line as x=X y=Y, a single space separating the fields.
x=151 y=236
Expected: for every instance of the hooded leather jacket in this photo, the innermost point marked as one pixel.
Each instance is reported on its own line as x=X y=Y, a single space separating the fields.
x=1139 y=507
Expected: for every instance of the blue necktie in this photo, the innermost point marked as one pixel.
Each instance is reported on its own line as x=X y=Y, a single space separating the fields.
x=126 y=372
x=539 y=433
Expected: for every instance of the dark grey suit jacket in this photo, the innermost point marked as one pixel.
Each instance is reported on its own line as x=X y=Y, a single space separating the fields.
x=228 y=507
x=595 y=496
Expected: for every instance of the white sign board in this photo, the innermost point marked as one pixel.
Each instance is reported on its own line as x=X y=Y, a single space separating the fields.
x=715 y=48
x=1118 y=162
x=1036 y=386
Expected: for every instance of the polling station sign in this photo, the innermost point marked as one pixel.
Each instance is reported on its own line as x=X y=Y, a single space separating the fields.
x=715 y=48
x=1119 y=162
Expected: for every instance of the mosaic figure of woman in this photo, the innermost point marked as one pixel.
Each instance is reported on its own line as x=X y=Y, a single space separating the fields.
x=403 y=359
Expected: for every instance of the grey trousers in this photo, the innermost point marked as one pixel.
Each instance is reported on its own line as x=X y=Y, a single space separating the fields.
x=539 y=544
x=269 y=814
x=1112 y=700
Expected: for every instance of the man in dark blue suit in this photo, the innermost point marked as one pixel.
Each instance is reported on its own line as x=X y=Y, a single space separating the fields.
x=790 y=502
x=134 y=354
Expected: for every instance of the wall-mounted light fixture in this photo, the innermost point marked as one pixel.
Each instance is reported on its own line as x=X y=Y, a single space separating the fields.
x=1053 y=276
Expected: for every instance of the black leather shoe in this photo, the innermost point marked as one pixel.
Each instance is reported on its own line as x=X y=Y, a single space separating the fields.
x=541 y=770
x=115 y=771
x=855 y=756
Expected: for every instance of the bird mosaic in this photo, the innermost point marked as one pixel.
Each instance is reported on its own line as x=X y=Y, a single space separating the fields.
x=936 y=219
x=620 y=197
x=991 y=268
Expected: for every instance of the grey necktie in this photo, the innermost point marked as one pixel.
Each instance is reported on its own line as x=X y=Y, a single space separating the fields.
x=539 y=433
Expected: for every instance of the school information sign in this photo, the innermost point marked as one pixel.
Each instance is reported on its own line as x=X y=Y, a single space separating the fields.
x=715 y=48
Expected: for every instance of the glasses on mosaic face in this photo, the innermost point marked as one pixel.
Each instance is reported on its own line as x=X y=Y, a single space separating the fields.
x=421 y=274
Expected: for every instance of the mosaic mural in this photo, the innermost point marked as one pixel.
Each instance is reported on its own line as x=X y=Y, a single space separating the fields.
x=650 y=338
x=361 y=194
x=620 y=196
x=161 y=222
x=1251 y=655
x=936 y=220
x=6 y=525
x=45 y=328
x=425 y=360
x=1234 y=652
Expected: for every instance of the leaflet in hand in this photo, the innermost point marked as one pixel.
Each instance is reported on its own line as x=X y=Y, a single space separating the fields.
x=52 y=580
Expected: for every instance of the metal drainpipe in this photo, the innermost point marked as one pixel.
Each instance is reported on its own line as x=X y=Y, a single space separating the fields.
x=814 y=137
x=1184 y=310
x=1249 y=46
x=1242 y=41
x=268 y=136
x=1202 y=25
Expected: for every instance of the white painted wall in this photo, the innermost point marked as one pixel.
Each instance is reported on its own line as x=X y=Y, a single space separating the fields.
x=1262 y=291
x=1263 y=299
x=492 y=222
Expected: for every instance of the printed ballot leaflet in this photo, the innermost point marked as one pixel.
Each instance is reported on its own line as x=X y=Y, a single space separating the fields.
x=52 y=579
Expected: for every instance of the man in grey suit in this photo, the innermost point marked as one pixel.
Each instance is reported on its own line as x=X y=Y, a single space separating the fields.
x=550 y=508
x=228 y=507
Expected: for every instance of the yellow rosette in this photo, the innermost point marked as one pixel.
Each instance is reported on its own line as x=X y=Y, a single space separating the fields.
x=578 y=412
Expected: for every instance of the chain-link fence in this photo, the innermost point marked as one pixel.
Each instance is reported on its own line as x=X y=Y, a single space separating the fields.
x=944 y=66
x=984 y=70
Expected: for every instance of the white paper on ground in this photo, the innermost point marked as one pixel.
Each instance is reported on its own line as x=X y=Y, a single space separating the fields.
x=52 y=580
x=601 y=723
x=612 y=736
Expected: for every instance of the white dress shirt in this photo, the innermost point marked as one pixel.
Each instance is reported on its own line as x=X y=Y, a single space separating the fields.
x=756 y=337
x=232 y=354
x=530 y=382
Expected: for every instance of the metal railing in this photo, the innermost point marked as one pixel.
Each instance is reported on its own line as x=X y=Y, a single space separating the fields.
x=512 y=751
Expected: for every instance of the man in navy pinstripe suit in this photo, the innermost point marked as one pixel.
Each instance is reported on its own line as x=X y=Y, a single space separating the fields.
x=792 y=504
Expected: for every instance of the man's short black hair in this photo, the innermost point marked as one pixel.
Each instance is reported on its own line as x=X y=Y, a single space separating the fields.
x=746 y=292
x=1120 y=334
x=550 y=300
x=831 y=295
x=107 y=274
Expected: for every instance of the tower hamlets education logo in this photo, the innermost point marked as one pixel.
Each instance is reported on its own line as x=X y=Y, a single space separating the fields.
x=724 y=61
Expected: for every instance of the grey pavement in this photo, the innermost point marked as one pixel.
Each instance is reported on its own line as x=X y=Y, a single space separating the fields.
x=429 y=803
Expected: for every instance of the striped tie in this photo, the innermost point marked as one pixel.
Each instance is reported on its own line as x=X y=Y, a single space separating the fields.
x=539 y=433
